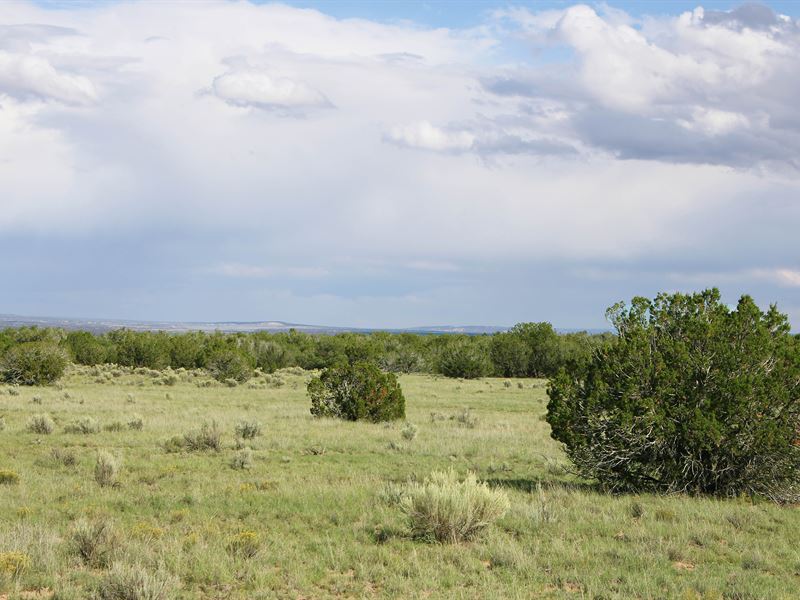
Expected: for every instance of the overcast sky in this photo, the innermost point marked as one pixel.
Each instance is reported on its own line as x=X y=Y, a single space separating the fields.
x=377 y=164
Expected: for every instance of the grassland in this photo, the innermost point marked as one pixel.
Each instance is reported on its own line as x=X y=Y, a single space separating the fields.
x=311 y=510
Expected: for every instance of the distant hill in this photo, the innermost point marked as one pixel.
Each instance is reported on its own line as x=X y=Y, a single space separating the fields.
x=103 y=325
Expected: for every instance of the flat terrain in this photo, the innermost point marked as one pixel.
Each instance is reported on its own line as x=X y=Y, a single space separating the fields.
x=314 y=499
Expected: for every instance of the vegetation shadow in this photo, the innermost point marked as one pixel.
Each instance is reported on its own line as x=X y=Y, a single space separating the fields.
x=532 y=484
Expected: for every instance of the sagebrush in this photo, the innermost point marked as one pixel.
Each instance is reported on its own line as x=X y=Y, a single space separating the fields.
x=448 y=509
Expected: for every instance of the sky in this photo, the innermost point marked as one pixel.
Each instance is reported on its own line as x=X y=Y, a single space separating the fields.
x=395 y=164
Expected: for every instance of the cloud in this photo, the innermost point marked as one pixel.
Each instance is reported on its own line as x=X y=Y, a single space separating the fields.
x=29 y=72
x=259 y=272
x=432 y=265
x=252 y=87
x=486 y=138
x=696 y=85
x=454 y=169
x=22 y=37
x=714 y=122
x=781 y=276
x=29 y=76
x=751 y=16
x=429 y=137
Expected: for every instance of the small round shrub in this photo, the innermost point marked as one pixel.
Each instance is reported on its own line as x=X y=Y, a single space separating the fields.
x=243 y=459
x=106 y=469
x=247 y=430
x=691 y=396
x=355 y=392
x=229 y=365
x=136 y=423
x=84 y=425
x=63 y=457
x=14 y=564
x=208 y=437
x=8 y=477
x=466 y=418
x=445 y=509
x=41 y=424
x=175 y=444
x=409 y=431
x=33 y=363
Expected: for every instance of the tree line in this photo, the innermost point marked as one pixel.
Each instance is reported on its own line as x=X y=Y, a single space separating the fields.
x=526 y=350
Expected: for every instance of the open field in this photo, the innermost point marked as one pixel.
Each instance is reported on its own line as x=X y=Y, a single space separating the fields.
x=314 y=500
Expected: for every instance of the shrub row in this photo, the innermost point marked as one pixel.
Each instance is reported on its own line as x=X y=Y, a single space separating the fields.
x=33 y=356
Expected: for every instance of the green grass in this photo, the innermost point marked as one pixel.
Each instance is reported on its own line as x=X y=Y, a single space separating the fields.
x=307 y=519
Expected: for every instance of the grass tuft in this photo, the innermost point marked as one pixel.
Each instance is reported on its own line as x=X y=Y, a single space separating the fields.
x=135 y=582
x=94 y=542
x=245 y=544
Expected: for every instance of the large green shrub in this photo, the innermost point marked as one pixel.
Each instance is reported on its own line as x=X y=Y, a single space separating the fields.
x=461 y=358
x=270 y=356
x=186 y=350
x=33 y=363
x=691 y=396
x=544 y=347
x=86 y=348
x=229 y=364
x=140 y=348
x=510 y=355
x=357 y=391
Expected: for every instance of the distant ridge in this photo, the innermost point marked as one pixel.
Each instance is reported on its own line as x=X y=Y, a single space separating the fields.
x=103 y=325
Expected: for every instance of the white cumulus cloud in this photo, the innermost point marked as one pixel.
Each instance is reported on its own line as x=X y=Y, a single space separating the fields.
x=712 y=87
x=429 y=137
x=26 y=75
x=252 y=87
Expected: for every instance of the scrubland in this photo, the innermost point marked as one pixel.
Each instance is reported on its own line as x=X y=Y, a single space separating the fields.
x=133 y=483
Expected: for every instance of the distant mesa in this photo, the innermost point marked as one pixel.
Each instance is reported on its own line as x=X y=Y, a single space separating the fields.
x=102 y=325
